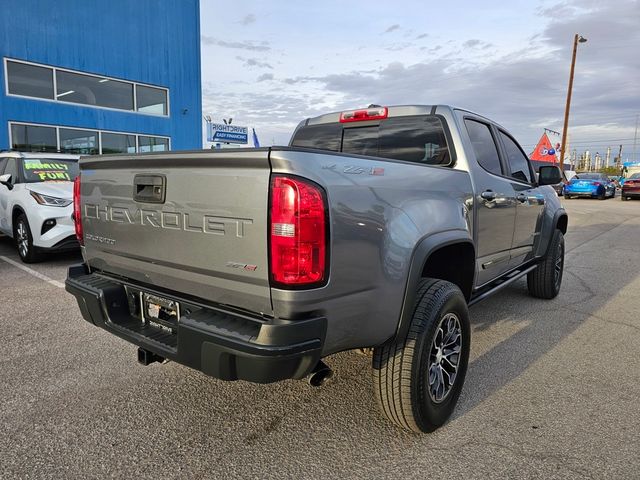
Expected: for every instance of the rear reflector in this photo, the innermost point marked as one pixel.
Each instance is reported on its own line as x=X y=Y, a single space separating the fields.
x=77 y=213
x=298 y=232
x=377 y=113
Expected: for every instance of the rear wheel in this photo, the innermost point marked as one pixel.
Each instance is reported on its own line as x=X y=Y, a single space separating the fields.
x=24 y=240
x=545 y=281
x=418 y=379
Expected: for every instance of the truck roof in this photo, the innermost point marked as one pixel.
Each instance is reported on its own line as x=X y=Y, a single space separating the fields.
x=393 y=111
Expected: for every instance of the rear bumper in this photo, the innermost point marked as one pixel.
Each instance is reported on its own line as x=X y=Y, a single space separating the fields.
x=219 y=342
x=582 y=193
x=631 y=192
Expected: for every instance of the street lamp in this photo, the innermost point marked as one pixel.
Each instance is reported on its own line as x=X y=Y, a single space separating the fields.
x=577 y=39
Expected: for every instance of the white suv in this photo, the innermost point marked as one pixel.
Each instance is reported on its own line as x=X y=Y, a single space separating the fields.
x=36 y=202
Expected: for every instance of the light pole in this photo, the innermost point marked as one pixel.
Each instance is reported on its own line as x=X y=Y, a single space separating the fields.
x=577 y=39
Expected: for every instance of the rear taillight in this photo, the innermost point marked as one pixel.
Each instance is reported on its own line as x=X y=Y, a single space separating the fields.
x=298 y=233
x=596 y=184
x=77 y=213
x=376 y=113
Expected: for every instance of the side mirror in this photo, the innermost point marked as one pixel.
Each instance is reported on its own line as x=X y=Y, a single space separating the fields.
x=549 y=175
x=6 y=181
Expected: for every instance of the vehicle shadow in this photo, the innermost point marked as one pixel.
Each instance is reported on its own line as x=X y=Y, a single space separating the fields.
x=541 y=325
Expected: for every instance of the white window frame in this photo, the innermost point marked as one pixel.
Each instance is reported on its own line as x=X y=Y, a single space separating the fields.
x=100 y=132
x=55 y=88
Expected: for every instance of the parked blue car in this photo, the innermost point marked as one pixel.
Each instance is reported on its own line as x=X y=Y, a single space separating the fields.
x=594 y=185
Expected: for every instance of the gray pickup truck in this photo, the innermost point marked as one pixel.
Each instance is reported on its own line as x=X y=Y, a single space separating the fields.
x=374 y=229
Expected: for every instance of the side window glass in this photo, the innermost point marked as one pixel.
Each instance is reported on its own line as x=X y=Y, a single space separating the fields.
x=3 y=162
x=12 y=168
x=518 y=162
x=484 y=146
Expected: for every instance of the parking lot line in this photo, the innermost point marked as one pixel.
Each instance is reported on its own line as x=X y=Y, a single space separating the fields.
x=32 y=272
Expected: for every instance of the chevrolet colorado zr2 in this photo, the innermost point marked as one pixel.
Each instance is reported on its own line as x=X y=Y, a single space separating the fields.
x=375 y=228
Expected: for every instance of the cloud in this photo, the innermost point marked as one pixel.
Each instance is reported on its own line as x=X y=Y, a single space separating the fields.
x=474 y=42
x=254 y=62
x=420 y=37
x=248 y=19
x=246 y=45
x=265 y=77
x=524 y=90
x=392 y=28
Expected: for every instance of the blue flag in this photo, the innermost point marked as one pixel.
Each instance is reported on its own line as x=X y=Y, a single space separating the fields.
x=256 y=143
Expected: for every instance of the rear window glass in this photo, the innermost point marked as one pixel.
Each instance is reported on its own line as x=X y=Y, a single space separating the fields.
x=588 y=176
x=418 y=139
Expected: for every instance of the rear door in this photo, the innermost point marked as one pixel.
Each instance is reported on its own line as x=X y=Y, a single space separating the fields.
x=193 y=222
x=495 y=200
x=529 y=199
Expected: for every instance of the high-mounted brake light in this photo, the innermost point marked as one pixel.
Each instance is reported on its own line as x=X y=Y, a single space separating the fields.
x=77 y=213
x=377 y=113
x=298 y=232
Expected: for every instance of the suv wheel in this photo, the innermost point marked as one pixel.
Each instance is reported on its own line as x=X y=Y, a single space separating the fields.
x=24 y=241
x=545 y=281
x=417 y=380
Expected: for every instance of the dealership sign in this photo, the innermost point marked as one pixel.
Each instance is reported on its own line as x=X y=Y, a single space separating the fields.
x=220 y=132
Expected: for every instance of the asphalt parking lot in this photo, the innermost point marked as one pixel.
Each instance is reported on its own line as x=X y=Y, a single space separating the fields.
x=552 y=389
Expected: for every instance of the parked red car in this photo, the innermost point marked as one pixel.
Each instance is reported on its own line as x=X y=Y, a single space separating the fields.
x=631 y=187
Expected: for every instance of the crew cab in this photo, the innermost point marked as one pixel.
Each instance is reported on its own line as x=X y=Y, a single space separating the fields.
x=36 y=194
x=374 y=229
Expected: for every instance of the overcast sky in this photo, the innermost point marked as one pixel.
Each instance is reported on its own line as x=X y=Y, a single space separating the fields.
x=271 y=64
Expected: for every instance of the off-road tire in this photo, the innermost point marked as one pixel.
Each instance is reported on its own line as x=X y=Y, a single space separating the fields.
x=27 y=251
x=401 y=369
x=545 y=281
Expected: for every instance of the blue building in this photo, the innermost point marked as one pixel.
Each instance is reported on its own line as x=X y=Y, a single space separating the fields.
x=95 y=76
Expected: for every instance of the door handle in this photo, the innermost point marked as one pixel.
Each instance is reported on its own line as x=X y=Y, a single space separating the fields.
x=488 y=195
x=521 y=197
x=149 y=188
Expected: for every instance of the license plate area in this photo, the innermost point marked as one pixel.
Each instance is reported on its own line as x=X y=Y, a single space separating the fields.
x=159 y=312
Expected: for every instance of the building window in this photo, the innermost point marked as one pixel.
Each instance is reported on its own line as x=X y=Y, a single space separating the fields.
x=37 y=81
x=29 y=80
x=152 y=144
x=96 y=91
x=151 y=100
x=118 y=143
x=33 y=138
x=79 y=142
x=47 y=138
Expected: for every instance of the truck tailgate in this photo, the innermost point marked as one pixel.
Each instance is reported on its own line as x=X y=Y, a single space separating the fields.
x=192 y=222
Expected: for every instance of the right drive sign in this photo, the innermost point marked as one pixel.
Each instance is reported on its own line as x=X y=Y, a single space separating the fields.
x=219 y=132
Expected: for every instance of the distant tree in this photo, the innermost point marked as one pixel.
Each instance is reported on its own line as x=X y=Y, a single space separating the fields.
x=610 y=170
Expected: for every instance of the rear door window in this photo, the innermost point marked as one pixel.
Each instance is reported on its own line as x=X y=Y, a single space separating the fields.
x=484 y=146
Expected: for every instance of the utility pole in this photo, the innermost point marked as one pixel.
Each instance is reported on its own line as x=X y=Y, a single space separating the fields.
x=577 y=39
x=619 y=161
x=635 y=140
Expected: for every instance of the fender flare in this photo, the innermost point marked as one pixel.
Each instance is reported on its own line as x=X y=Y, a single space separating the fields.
x=424 y=248
x=561 y=212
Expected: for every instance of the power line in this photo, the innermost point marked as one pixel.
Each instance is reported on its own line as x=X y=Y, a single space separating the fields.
x=589 y=142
